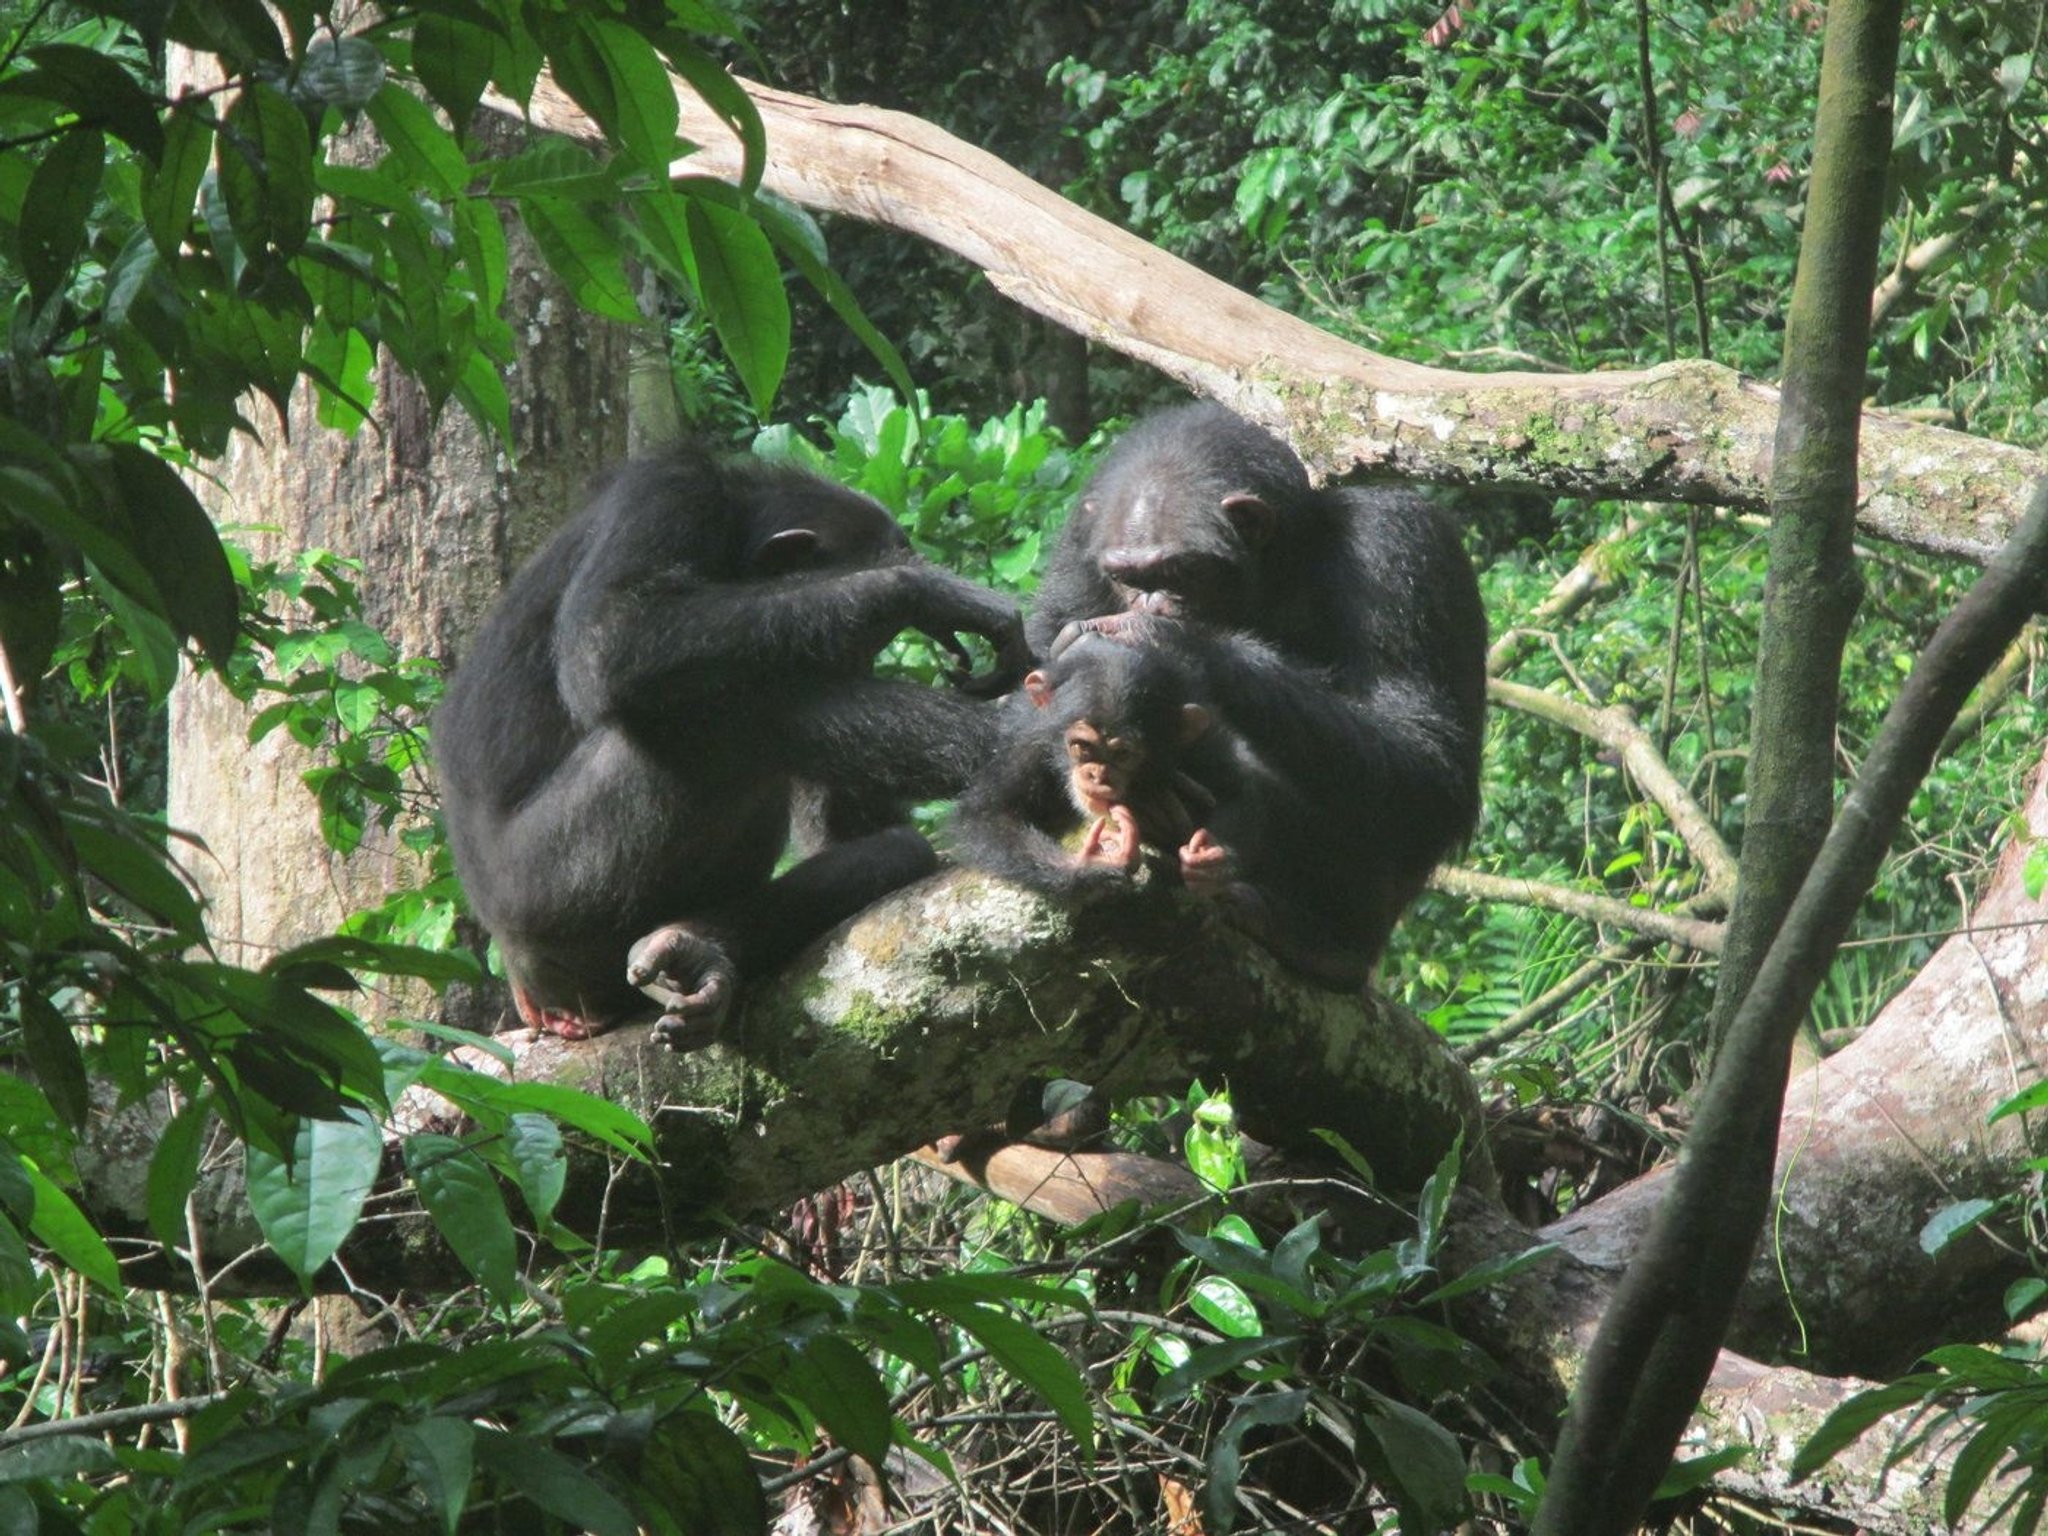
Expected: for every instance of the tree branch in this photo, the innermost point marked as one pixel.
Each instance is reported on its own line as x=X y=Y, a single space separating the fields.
x=1686 y=431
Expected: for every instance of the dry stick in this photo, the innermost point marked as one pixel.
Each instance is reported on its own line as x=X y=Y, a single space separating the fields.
x=1526 y=1018
x=1663 y=1330
x=1588 y=906
x=1592 y=577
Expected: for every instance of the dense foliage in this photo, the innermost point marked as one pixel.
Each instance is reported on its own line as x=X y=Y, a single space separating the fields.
x=1463 y=184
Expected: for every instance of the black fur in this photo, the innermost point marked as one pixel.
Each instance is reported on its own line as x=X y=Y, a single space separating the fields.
x=1338 y=634
x=622 y=747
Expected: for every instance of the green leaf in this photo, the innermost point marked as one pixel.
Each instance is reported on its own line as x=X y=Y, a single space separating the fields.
x=1225 y=1307
x=839 y=1386
x=53 y=216
x=725 y=96
x=645 y=113
x=452 y=58
x=113 y=852
x=533 y=1143
x=1025 y=1354
x=60 y=1458
x=174 y=1169
x=379 y=958
x=1419 y=1462
x=1694 y=1473
x=95 y=87
x=54 y=1057
x=456 y=1187
x=697 y=1471
x=1951 y=1222
x=2032 y=1097
x=613 y=1124
x=1213 y=1360
x=440 y=1452
x=421 y=145
x=266 y=171
x=2035 y=873
x=583 y=255
x=1847 y=1423
x=741 y=285
x=555 y=1483
x=60 y=1226
x=1269 y=1410
x=175 y=536
x=308 y=1207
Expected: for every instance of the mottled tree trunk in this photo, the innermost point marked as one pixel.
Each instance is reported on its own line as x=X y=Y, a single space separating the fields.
x=440 y=515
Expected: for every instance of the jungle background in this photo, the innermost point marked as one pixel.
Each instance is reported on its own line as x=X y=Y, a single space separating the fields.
x=1568 y=188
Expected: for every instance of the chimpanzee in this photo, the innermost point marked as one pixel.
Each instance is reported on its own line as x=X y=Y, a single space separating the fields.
x=620 y=754
x=1095 y=740
x=1336 y=633
x=1116 y=737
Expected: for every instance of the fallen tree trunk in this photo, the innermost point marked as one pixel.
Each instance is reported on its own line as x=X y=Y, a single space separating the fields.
x=1686 y=432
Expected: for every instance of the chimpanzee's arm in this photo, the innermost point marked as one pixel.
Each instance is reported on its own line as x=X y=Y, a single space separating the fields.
x=1006 y=823
x=662 y=641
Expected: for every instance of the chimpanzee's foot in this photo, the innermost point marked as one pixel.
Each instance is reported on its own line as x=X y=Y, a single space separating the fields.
x=1207 y=868
x=1112 y=841
x=689 y=973
x=563 y=1023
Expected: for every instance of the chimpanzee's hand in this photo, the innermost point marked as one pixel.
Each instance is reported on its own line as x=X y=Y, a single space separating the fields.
x=691 y=976
x=1112 y=843
x=973 y=610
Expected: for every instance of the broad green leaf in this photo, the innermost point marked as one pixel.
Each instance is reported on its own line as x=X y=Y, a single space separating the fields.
x=19 y=1285
x=95 y=87
x=60 y=1458
x=452 y=58
x=308 y=1207
x=54 y=1057
x=1420 y=1463
x=60 y=1226
x=170 y=187
x=379 y=958
x=176 y=537
x=115 y=853
x=265 y=157
x=421 y=145
x=839 y=1387
x=533 y=1143
x=583 y=255
x=1022 y=1351
x=1225 y=1307
x=700 y=1473
x=645 y=102
x=1848 y=1422
x=725 y=96
x=53 y=216
x=440 y=1453
x=1265 y=1411
x=456 y=1187
x=174 y=1169
x=555 y=1483
x=1694 y=1473
x=741 y=285
x=1213 y=1360
x=1952 y=1221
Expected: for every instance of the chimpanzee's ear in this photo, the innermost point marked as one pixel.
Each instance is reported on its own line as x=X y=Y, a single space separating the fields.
x=1194 y=723
x=790 y=550
x=1250 y=515
x=1038 y=688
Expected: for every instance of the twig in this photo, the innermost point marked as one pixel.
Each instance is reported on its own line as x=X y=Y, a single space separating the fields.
x=1588 y=906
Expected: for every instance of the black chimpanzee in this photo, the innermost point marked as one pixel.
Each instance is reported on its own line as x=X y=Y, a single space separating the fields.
x=1115 y=737
x=1337 y=633
x=620 y=753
